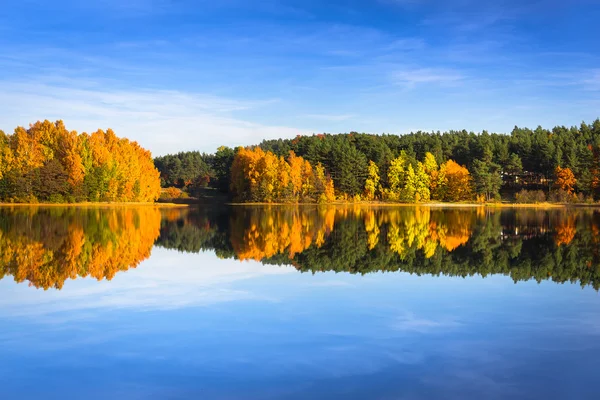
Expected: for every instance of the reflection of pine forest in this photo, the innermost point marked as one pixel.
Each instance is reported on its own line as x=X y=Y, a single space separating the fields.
x=524 y=244
x=47 y=246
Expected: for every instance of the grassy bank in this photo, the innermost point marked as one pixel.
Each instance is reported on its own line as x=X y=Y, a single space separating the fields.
x=92 y=204
x=431 y=204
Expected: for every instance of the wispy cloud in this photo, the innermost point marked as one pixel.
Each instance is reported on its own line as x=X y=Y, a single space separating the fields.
x=162 y=120
x=592 y=80
x=168 y=280
x=411 y=323
x=130 y=8
x=475 y=22
x=330 y=117
x=405 y=44
x=412 y=77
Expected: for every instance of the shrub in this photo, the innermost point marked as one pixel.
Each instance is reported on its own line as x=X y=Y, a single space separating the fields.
x=530 y=196
x=171 y=193
x=56 y=198
x=562 y=196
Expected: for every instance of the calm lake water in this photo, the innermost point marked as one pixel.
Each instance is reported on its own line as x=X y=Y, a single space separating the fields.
x=299 y=303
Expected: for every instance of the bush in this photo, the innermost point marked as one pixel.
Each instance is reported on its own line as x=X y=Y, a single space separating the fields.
x=171 y=193
x=56 y=198
x=530 y=196
x=562 y=196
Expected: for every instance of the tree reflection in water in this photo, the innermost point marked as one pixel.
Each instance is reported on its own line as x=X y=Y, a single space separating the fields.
x=46 y=246
x=558 y=245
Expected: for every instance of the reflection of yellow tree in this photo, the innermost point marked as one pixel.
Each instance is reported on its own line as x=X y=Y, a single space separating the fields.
x=264 y=233
x=416 y=229
x=372 y=228
x=275 y=231
x=97 y=243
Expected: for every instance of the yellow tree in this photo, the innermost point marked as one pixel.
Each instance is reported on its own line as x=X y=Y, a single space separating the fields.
x=268 y=172
x=324 y=188
x=397 y=176
x=456 y=183
x=372 y=183
x=283 y=179
x=69 y=151
x=296 y=166
x=6 y=155
x=431 y=168
x=245 y=174
x=422 y=183
x=308 y=180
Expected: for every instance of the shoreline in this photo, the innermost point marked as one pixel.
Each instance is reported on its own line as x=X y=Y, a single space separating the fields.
x=96 y=205
x=334 y=204
x=436 y=205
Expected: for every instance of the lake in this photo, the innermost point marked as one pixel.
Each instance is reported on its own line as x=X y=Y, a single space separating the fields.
x=299 y=303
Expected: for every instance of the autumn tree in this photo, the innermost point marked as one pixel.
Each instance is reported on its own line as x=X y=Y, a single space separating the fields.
x=49 y=163
x=396 y=177
x=372 y=186
x=454 y=182
x=565 y=179
x=422 y=183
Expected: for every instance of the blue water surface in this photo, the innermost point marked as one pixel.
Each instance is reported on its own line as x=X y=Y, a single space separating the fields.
x=196 y=326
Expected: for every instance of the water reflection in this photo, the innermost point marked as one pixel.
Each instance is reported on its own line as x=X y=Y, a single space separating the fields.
x=557 y=245
x=45 y=247
x=48 y=246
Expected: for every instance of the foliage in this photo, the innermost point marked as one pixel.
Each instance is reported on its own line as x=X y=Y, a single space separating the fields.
x=49 y=163
x=372 y=187
x=496 y=163
x=454 y=182
x=171 y=193
x=260 y=176
x=184 y=169
x=530 y=196
x=565 y=179
x=487 y=179
x=562 y=196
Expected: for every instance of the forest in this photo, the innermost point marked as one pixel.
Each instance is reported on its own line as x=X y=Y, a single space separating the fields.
x=561 y=164
x=48 y=163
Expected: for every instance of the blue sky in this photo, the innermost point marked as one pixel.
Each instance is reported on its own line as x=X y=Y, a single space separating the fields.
x=182 y=75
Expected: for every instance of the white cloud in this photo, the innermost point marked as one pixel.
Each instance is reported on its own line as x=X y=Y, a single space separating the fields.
x=168 y=280
x=417 y=76
x=330 y=117
x=163 y=121
x=410 y=323
x=592 y=80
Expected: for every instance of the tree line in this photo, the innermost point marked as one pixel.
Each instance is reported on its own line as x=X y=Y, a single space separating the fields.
x=559 y=164
x=48 y=163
